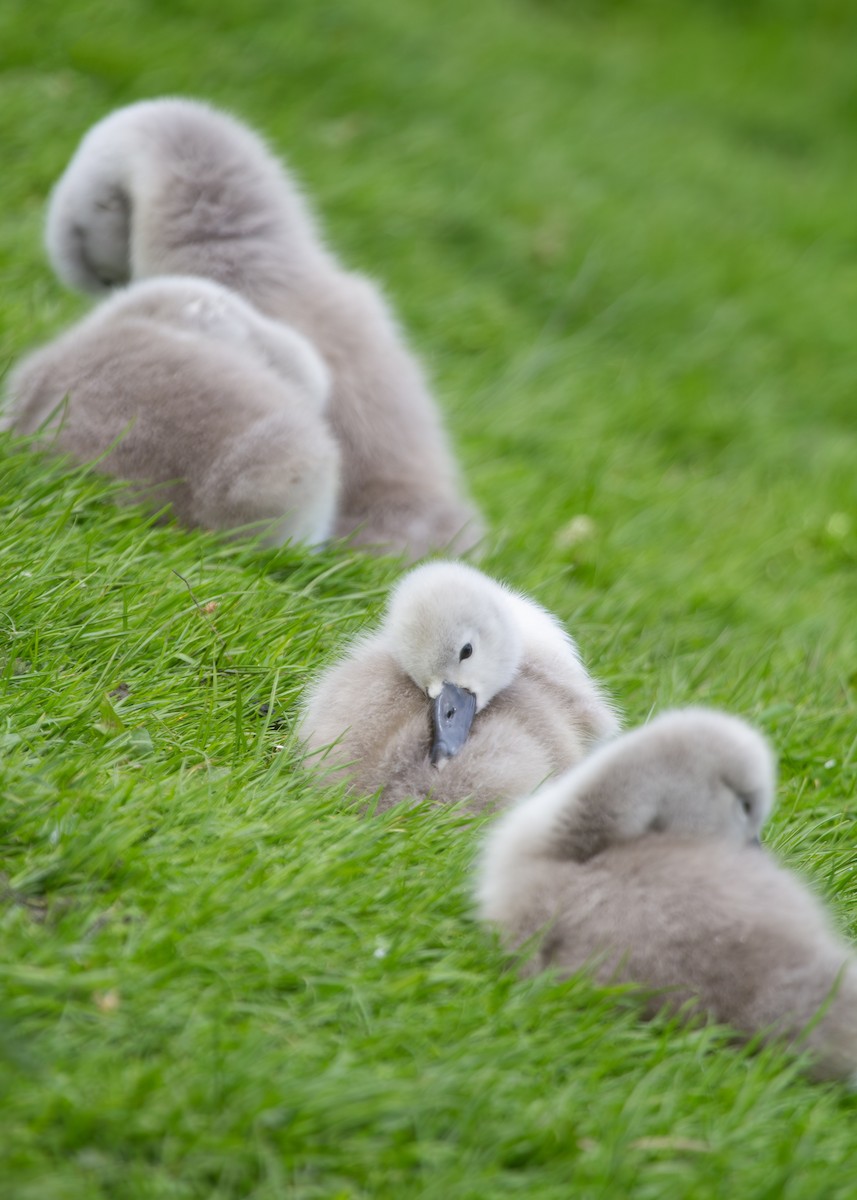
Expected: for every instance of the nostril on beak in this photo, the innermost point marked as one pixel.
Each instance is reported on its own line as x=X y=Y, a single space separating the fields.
x=451 y=717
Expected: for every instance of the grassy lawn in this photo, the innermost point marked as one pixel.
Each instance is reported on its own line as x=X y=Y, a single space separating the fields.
x=624 y=238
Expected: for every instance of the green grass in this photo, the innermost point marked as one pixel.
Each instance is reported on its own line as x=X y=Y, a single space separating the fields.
x=624 y=239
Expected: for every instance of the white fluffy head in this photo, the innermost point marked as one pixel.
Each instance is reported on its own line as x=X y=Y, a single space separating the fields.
x=449 y=623
x=700 y=772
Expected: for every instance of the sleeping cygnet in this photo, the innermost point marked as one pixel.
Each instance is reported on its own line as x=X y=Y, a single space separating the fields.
x=181 y=388
x=643 y=864
x=467 y=690
x=173 y=186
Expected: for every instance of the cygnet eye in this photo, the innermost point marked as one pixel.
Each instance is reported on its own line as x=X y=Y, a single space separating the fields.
x=745 y=799
x=466 y=651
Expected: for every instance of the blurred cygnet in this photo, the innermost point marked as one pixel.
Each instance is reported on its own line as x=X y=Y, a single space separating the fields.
x=467 y=690
x=643 y=864
x=181 y=388
x=173 y=186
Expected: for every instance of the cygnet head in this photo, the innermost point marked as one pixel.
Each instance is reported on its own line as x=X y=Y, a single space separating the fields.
x=453 y=631
x=698 y=772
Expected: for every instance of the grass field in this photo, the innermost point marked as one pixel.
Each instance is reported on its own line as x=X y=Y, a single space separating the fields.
x=624 y=239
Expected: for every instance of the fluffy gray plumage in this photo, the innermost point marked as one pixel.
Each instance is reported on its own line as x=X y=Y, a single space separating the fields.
x=642 y=864
x=538 y=709
x=175 y=187
x=180 y=387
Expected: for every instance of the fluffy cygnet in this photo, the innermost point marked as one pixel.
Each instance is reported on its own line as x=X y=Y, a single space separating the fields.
x=180 y=387
x=467 y=690
x=643 y=864
x=175 y=187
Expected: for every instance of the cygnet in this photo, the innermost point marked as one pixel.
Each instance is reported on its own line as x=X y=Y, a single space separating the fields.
x=178 y=386
x=173 y=186
x=466 y=691
x=642 y=864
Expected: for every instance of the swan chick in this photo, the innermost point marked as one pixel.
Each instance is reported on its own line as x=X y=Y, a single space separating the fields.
x=642 y=865
x=180 y=388
x=176 y=187
x=465 y=690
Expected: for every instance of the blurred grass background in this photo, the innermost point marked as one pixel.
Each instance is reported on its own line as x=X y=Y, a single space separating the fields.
x=624 y=239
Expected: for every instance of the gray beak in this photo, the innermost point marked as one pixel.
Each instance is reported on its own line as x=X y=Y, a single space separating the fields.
x=452 y=715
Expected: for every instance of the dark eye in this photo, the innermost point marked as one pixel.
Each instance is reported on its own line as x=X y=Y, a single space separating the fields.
x=466 y=651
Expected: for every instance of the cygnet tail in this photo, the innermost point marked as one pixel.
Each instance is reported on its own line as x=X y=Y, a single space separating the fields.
x=832 y=1037
x=173 y=187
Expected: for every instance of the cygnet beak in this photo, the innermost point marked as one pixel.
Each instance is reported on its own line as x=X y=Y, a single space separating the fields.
x=452 y=715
